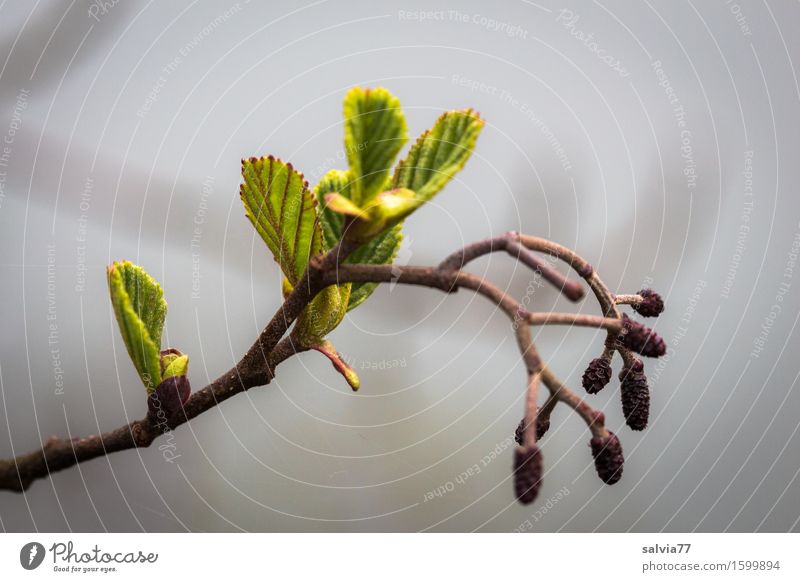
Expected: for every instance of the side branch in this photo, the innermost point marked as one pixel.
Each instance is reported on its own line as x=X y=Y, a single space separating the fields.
x=257 y=366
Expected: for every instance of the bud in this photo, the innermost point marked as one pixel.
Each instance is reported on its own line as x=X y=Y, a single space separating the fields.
x=635 y=396
x=168 y=399
x=642 y=339
x=542 y=426
x=527 y=473
x=651 y=305
x=608 y=459
x=597 y=375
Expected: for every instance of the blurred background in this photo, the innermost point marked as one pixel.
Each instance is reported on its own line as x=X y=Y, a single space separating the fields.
x=657 y=139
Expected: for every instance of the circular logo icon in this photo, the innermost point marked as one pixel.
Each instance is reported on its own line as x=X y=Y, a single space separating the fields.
x=31 y=555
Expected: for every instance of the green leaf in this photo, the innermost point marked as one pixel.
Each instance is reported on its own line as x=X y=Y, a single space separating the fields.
x=439 y=153
x=340 y=205
x=332 y=222
x=176 y=366
x=381 y=250
x=374 y=133
x=322 y=315
x=140 y=309
x=283 y=211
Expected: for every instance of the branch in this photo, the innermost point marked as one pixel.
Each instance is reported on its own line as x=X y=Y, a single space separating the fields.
x=508 y=243
x=257 y=366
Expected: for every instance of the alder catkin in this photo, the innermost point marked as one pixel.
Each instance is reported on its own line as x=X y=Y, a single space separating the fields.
x=527 y=473
x=596 y=375
x=651 y=305
x=635 y=396
x=608 y=459
x=641 y=339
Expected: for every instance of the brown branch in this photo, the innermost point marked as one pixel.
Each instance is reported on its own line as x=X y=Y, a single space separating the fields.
x=508 y=242
x=258 y=364
x=59 y=453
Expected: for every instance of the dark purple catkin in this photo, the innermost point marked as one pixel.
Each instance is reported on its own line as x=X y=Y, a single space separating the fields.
x=597 y=375
x=651 y=305
x=168 y=398
x=542 y=424
x=608 y=459
x=635 y=396
x=527 y=473
x=642 y=339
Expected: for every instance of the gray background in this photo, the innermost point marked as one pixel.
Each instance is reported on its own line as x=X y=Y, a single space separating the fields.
x=574 y=150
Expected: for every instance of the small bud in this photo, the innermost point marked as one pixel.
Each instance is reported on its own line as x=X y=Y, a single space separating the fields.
x=542 y=426
x=635 y=396
x=597 y=375
x=651 y=305
x=168 y=398
x=527 y=473
x=608 y=459
x=642 y=339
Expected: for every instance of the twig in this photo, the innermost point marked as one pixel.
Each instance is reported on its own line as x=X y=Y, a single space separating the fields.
x=257 y=366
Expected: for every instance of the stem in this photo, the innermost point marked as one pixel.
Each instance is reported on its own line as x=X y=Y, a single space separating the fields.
x=508 y=243
x=257 y=366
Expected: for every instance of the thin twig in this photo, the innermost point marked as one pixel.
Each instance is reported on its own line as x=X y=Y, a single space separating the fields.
x=258 y=364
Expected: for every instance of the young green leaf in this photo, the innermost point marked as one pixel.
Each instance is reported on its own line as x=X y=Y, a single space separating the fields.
x=439 y=153
x=140 y=309
x=177 y=366
x=381 y=250
x=332 y=222
x=283 y=211
x=374 y=133
x=322 y=315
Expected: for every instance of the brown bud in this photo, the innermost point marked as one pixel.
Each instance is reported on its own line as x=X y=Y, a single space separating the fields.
x=527 y=473
x=597 y=375
x=651 y=305
x=608 y=459
x=542 y=426
x=168 y=399
x=642 y=339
